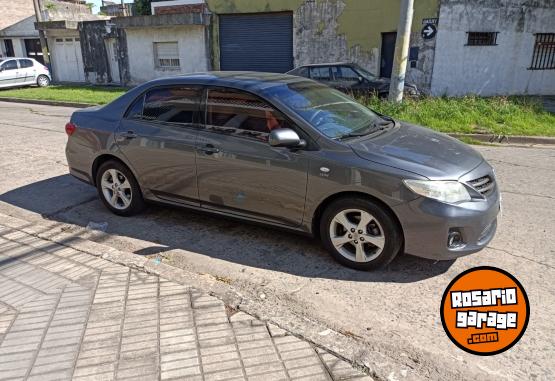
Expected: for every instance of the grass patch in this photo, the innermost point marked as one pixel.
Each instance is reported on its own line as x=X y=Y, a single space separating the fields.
x=496 y=115
x=95 y=95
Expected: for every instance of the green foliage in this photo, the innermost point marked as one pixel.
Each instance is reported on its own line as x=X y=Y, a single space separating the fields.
x=496 y=115
x=95 y=95
x=516 y=115
x=143 y=7
x=50 y=6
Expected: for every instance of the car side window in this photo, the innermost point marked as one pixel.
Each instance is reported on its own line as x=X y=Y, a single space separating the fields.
x=25 y=63
x=320 y=73
x=345 y=73
x=179 y=104
x=302 y=72
x=241 y=114
x=136 y=109
x=10 y=65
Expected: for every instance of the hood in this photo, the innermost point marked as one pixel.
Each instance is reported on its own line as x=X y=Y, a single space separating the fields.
x=420 y=150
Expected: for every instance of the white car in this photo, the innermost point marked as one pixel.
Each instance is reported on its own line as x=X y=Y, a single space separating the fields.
x=23 y=72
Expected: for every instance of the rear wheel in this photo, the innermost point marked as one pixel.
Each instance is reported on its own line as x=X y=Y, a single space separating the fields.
x=360 y=234
x=118 y=189
x=43 y=81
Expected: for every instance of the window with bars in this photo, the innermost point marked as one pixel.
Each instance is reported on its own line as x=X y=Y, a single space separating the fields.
x=166 y=55
x=544 y=52
x=482 y=38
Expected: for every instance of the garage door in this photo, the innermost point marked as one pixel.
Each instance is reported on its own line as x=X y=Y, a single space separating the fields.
x=68 y=60
x=258 y=42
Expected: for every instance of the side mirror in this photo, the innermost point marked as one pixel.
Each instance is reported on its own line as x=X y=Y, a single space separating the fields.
x=285 y=137
x=360 y=79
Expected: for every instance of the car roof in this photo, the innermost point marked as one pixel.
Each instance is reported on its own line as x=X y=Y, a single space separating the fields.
x=243 y=80
x=16 y=58
x=327 y=64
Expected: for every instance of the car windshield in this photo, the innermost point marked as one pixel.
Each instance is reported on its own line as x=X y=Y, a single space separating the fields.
x=333 y=113
x=365 y=73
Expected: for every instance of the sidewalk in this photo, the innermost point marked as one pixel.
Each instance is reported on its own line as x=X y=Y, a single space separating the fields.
x=67 y=315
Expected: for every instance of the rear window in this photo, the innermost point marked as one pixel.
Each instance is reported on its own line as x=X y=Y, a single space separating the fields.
x=25 y=63
x=172 y=104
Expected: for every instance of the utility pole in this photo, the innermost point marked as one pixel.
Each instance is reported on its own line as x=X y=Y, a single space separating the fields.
x=42 y=37
x=401 y=51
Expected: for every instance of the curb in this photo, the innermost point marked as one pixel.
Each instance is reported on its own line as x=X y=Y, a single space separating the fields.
x=46 y=102
x=376 y=360
x=507 y=139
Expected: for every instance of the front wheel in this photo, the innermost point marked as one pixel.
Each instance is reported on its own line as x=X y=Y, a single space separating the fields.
x=43 y=81
x=118 y=189
x=360 y=234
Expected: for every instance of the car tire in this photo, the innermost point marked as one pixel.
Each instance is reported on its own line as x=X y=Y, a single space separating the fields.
x=43 y=81
x=353 y=229
x=118 y=189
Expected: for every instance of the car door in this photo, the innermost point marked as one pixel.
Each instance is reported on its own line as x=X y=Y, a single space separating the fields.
x=237 y=169
x=8 y=73
x=27 y=71
x=157 y=136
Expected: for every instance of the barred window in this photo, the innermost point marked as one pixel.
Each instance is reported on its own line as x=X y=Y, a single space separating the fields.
x=544 y=52
x=166 y=55
x=482 y=38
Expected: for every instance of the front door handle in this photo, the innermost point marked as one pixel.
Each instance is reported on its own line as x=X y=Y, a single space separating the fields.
x=209 y=149
x=128 y=135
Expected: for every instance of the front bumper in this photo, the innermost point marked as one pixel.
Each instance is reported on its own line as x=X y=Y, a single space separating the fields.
x=427 y=223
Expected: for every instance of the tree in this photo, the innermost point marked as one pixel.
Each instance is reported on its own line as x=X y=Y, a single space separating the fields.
x=143 y=7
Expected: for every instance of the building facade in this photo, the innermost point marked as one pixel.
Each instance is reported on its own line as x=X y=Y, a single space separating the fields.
x=60 y=24
x=457 y=47
x=317 y=31
x=18 y=37
x=495 y=47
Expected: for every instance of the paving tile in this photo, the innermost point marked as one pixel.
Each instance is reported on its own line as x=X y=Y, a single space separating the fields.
x=68 y=315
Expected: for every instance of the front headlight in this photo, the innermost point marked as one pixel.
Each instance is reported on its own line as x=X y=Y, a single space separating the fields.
x=444 y=191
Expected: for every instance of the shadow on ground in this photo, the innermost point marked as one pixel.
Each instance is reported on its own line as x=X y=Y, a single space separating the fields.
x=67 y=200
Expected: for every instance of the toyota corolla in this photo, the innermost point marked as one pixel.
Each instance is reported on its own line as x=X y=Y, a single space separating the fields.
x=291 y=153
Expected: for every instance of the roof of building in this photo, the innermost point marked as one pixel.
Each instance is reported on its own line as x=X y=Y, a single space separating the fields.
x=15 y=11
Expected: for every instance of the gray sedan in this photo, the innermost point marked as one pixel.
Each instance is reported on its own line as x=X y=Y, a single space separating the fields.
x=291 y=153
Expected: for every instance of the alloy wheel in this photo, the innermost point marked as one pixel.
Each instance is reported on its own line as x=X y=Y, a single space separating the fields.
x=43 y=81
x=116 y=189
x=357 y=235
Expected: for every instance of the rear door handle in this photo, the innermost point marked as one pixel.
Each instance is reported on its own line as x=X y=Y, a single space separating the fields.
x=209 y=149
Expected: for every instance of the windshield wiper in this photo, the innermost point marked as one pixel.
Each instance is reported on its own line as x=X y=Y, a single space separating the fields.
x=374 y=127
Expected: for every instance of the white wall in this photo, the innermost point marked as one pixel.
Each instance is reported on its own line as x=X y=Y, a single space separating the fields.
x=67 y=66
x=140 y=47
x=491 y=70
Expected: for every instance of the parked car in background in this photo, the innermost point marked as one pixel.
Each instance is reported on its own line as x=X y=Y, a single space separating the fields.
x=350 y=78
x=16 y=72
x=291 y=153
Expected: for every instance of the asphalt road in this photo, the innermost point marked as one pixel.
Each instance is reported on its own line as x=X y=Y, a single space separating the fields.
x=394 y=310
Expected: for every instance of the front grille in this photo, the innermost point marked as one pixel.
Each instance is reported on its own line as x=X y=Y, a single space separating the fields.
x=484 y=185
